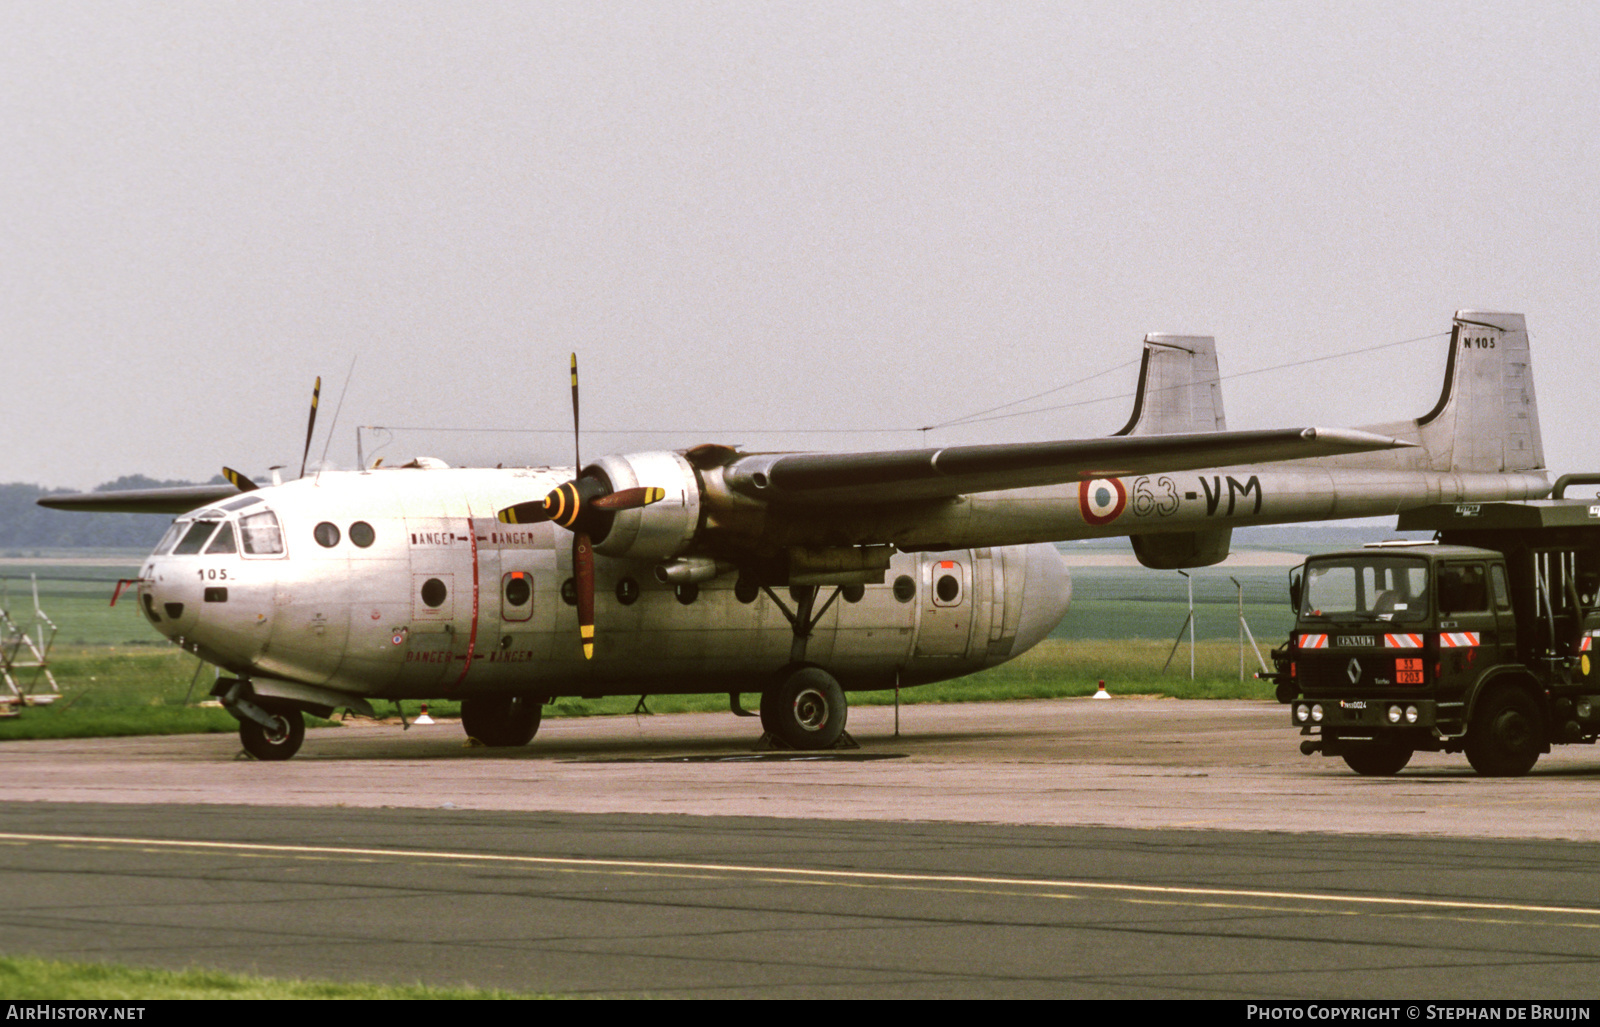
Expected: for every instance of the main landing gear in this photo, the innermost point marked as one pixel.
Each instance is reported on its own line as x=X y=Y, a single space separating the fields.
x=501 y=721
x=804 y=706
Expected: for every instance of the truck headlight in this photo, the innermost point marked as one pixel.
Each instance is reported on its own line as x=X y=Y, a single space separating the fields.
x=1411 y=714
x=1394 y=714
x=1316 y=712
x=1302 y=713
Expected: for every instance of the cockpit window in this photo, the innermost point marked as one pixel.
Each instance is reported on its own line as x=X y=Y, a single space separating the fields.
x=223 y=543
x=241 y=503
x=260 y=534
x=195 y=539
x=173 y=533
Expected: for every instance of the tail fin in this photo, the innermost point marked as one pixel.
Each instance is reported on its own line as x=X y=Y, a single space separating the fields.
x=1179 y=388
x=1179 y=391
x=1486 y=420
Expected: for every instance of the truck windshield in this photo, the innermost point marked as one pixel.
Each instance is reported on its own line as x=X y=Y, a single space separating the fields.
x=1386 y=588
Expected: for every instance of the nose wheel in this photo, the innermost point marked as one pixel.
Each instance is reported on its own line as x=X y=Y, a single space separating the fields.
x=277 y=740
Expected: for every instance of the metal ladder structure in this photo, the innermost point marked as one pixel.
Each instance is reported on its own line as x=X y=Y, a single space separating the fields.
x=25 y=655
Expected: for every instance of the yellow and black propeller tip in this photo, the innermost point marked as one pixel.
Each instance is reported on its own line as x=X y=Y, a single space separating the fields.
x=238 y=480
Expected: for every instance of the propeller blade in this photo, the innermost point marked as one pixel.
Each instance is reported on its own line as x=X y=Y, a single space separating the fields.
x=316 y=393
x=238 y=480
x=524 y=513
x=577 y=456
x=583 y=578
x=630 y=499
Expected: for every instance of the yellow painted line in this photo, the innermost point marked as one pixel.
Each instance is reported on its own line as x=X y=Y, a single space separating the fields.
x=854 y=877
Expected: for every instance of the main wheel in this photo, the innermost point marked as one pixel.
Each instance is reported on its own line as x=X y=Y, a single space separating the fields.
x=805 y=709
x=1506 y=736
x=501 y=721
x=1376 y=759
x=278 y=742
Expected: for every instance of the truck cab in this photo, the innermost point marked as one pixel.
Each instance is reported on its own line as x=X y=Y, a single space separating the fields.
x=1481 y=641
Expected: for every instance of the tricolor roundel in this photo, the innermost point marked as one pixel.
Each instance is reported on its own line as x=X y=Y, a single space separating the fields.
x=1101 y=500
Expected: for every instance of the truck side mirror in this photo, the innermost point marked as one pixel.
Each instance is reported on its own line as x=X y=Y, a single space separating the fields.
x=1296 y=581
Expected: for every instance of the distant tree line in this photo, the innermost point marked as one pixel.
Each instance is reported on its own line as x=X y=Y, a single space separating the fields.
x=25 y=525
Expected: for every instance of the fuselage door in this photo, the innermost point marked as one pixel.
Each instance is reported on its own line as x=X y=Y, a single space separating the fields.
x=946 y=623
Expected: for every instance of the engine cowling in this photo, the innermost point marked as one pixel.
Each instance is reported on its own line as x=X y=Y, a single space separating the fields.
x=663 y=529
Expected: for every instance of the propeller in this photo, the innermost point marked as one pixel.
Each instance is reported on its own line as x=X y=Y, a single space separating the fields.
x=580 y=506
x=244 y=484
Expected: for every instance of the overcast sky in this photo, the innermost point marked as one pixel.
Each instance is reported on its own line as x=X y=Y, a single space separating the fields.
x=753 y=219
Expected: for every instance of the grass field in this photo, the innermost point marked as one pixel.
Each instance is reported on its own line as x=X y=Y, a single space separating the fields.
x=119 y=677
x=60 y=981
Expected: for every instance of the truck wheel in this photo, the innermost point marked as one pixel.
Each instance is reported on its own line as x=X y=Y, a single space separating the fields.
x=501 y=721
x=805 y=709
x=278 y=742
x=1505 y=738
x=1377 y=759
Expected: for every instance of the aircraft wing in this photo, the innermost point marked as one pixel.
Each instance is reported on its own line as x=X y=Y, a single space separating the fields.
x=893 y=476
x=176 y=500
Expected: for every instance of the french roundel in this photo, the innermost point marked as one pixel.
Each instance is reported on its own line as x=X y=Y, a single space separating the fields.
x=1101 y=500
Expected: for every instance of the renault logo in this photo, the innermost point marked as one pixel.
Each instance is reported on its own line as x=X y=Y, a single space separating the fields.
x=1353 y=671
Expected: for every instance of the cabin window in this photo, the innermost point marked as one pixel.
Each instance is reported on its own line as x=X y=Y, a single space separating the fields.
x=1463 y=588
x=326 y=534
x=516 y=595
x=195 y=539
x=746 y=591
x=687 y=592
x=434 y=593
x=627 y=591
x=569 y=592
x=853 y=593
x=223 y=543
x=361 y=534
x=1502 y=594
x=260 y=535
x=905 y=589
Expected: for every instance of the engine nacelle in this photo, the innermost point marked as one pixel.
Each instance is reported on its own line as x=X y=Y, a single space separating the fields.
x=663 y=529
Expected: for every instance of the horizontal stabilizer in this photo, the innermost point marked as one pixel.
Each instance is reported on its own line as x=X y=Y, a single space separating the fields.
x=896 y=476
x=177 y=500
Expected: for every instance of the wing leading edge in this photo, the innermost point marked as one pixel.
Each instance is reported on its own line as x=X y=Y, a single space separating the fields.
x=176 y=500
x=894 y=476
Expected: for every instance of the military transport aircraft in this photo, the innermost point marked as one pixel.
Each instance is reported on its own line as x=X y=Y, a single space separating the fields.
x=899 y=567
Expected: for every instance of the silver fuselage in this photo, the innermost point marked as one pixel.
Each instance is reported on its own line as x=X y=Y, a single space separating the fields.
x=445 y=601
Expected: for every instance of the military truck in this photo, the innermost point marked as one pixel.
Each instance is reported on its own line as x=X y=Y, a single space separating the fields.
x=1483 y=641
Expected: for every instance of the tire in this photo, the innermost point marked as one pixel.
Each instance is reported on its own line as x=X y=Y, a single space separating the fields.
x=1376 y=759
x=278 y=743
x=501 y=721
x=806 y=709
x=1506 y=735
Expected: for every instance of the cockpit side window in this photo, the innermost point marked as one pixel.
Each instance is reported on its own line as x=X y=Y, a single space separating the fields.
x=195 y=539
x=173 y=534
x=223 y=543
x=260 y=534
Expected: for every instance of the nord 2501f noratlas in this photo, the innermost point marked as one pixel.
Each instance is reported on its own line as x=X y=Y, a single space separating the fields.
x=801 y=576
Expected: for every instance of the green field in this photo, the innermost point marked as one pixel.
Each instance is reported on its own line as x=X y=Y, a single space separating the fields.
x=50 y=979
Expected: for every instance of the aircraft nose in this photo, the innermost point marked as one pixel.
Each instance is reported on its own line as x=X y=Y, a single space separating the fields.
x=166 y=604
x=1047 y=593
